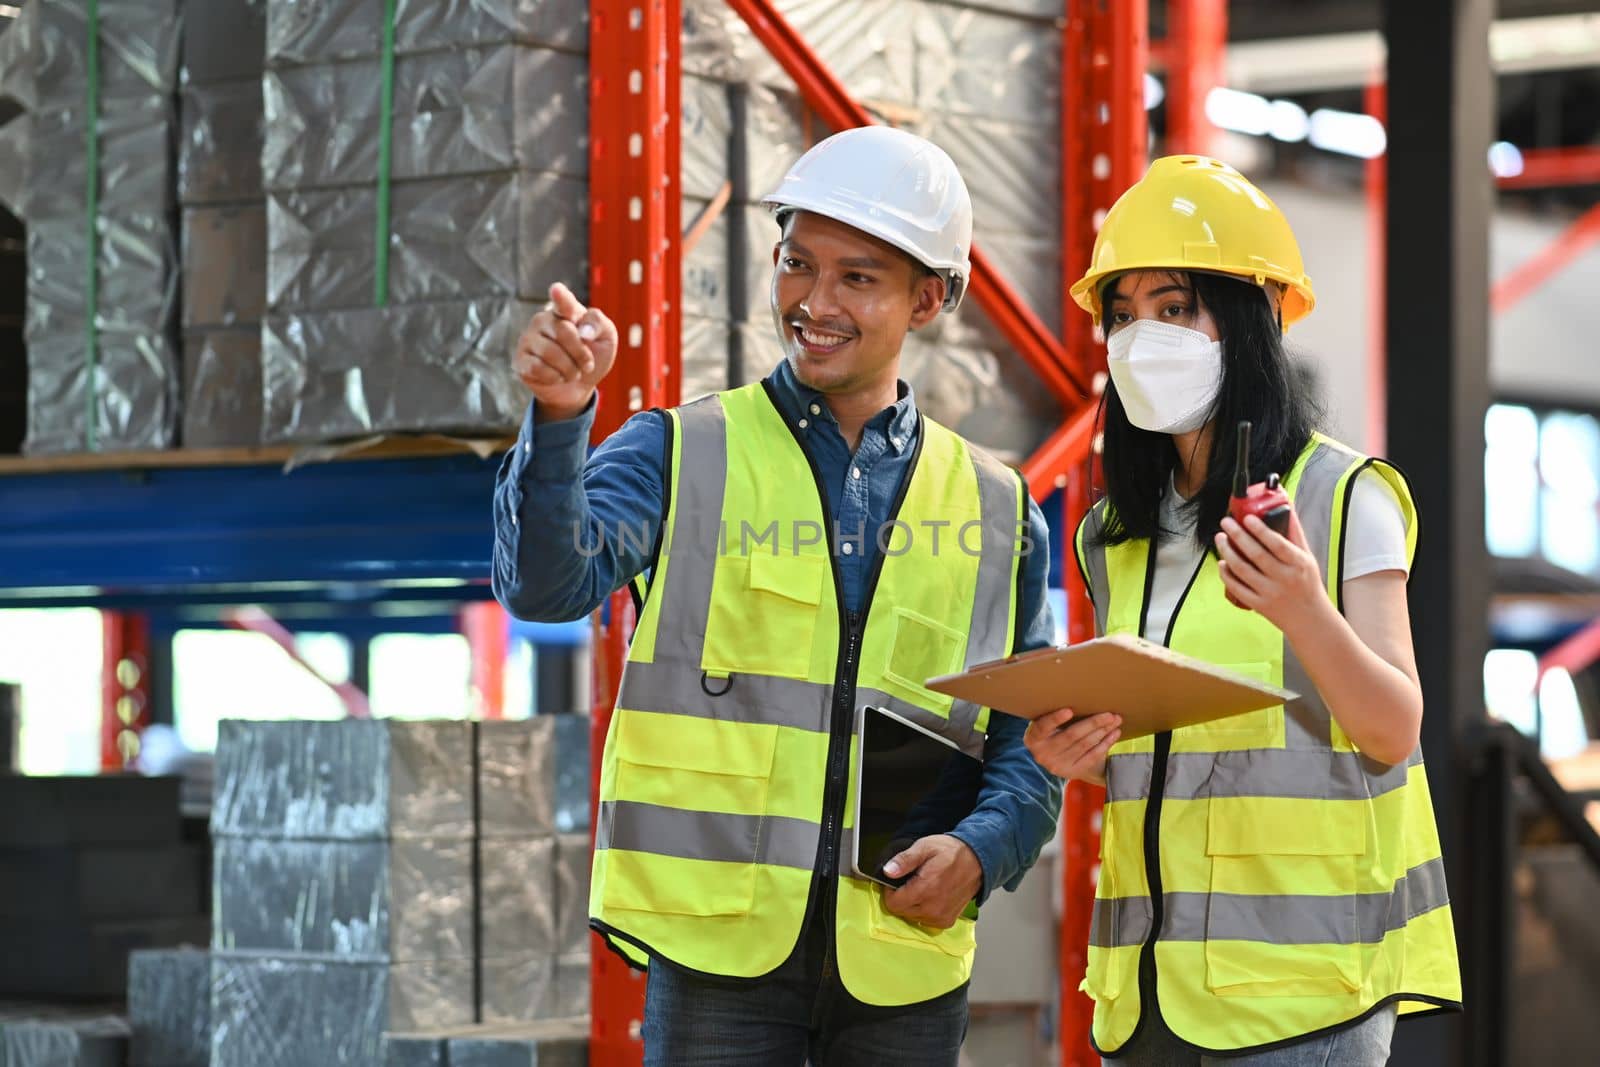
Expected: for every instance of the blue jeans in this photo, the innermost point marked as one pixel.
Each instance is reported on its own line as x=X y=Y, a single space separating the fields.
x=800 y=1012
x=1365 y=1044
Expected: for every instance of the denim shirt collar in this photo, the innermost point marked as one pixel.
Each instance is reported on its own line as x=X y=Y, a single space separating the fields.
x=898 y=422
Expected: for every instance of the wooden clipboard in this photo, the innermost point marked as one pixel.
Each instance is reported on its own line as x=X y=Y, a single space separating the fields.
x=1152 y=687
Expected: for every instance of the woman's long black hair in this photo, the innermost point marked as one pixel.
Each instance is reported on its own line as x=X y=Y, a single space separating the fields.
x=1258 y=384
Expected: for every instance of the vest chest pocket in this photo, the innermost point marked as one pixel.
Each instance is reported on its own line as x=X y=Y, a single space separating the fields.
x=764 y=614
x=1282 y=918
x=922 y=648
x=1253 y=729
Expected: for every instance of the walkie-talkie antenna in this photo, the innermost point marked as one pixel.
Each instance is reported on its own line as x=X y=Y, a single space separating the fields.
x=1241 y=462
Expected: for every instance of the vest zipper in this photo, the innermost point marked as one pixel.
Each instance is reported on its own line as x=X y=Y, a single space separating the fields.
x=1158 y=792
x=842 y=723
x=840 y=729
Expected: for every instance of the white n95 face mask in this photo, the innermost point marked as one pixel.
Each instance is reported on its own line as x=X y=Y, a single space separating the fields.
x=1166 y=375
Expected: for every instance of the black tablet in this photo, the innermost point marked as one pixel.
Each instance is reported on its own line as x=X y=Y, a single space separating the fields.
x=911 y=783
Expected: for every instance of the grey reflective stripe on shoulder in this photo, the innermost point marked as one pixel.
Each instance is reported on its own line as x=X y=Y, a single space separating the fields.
x=1308 y=725
x=772 y=840
x=1295 y=774
x=1275 y=919
x=994 y=598
x=1094 y=559
x=695 y=535
x=1314 y=495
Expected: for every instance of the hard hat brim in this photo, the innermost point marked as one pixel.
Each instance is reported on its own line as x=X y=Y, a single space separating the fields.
x=1299 y=299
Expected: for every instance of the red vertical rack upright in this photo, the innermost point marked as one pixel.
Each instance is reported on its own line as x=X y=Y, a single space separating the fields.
x=1104 y=51
x=124 y=687
x=635 y=277
x=1196 y=44
x=1376 y=103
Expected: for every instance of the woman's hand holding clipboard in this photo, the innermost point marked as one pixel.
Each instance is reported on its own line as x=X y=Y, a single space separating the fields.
x=1152 y=688
x=1071 y=747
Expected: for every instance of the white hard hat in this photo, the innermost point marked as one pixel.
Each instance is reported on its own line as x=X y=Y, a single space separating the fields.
x=894 y=186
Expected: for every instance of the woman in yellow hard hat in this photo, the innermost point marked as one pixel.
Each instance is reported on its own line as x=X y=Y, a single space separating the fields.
x=1271 y=885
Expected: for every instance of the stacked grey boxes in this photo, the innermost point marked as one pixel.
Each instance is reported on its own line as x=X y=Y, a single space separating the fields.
x=343 y=888
x=378 y=876
x=487 y=207
x=119 y=390
x=224 y=222
x=16 y=97
x=981 y=80
x=169 y=1008
x=555 y=1043
x=534 y=853
x=50 y=1037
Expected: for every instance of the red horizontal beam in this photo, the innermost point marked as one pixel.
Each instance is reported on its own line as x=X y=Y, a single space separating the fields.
x=254 y=620
x=1575 y=653
x=1547 y=167
x=1573 y=242
x=827 y=96
x=1062 y=452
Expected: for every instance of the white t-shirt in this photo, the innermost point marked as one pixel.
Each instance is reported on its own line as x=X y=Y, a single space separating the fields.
x=1374 y=540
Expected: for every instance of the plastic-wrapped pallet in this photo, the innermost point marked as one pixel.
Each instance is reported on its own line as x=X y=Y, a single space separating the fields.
x=307 y=1012
x=343 y=882
x=102 y=253
x=387 y=901
x=16 y=98
x=533 y=785
x=573 y=939
x=169 y=1008
x=224 y=221
x=353 y=780
x=64 y=1042
x=350 y=839
x=406 y=251
x=533 y=776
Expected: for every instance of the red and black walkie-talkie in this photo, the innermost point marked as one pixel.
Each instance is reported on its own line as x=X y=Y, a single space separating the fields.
x=1265 y=500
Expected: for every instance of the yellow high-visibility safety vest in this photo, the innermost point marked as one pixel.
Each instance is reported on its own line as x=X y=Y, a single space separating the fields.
x=1273 y=882
x=726 y=783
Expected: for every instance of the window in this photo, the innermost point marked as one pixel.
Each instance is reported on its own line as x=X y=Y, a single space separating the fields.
x=232 y=674
x=1542 y=486
x=421 y=676
x=55 y=657
x=1545 y=709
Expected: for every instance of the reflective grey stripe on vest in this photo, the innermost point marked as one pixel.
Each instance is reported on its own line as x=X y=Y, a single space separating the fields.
x=707 y=835
x=1279 y=920
x=695 y=537
x=1000 y=505
x=1307 y=723
x=1301 y=774
x=671 y=688
x=1094 y=560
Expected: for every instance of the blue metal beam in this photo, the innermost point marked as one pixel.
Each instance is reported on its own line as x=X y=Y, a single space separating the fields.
x=221 y=531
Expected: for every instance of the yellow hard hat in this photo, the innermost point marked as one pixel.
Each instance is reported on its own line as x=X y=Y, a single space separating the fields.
x=1196 y=213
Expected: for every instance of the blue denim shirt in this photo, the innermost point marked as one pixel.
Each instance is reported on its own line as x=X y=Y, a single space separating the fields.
x=546 y=490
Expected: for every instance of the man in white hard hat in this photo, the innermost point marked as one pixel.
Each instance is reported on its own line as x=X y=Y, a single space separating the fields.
x=812 y=547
